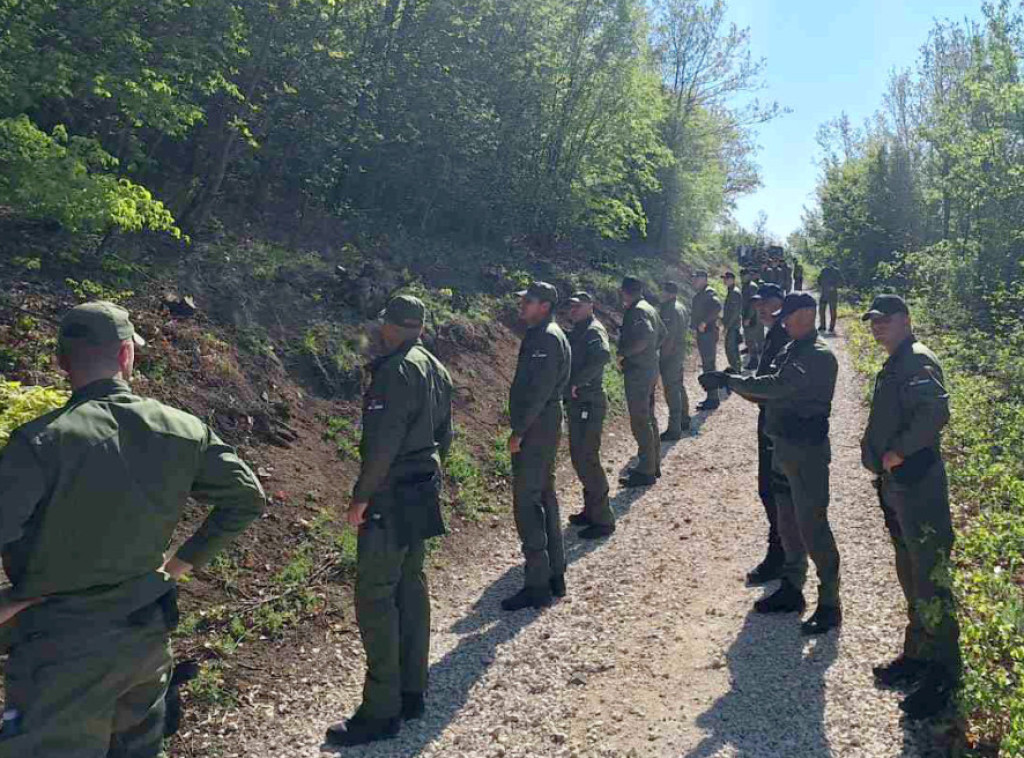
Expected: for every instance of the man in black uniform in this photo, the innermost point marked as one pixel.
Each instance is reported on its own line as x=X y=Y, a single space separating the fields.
x=767 y=301
x=535 y=411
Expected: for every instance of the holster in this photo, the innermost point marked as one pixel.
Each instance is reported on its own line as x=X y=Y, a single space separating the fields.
x=417 y=513
x=915 y=467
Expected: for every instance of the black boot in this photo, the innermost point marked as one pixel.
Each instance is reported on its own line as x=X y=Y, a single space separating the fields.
x=710 y=403
x=527 y=597
x=901 y=672
x=786 y=599
x=413 y=706
x=824 y=619
x=671 y=435
x=361 y=730
x=932 y=697
x=636 y=479
x=580 y=519
x=597 y=531
x=767 y=570
x=558 y=583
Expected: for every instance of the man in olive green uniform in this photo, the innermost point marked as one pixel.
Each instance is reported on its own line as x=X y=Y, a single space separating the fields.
x=672 y=360
x=90 y=495
x=587 y=407
x=902 y=446
x=798 y=276
x=640 y=340
x=768 y=301
x=732 y=313
x=828 y=289
x=407 y=432
x=787 y=277
x=704 y=321
x=797 y=398
x=753 y=329
x=535 y=411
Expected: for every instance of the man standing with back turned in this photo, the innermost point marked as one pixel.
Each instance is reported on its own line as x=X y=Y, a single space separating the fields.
x=90 y=495
x=535 y=411
x=902 y=446
x=673 y=359
x=732 y=313
x=753 y=330
x=704 y=321
x=797 y=398
x=828 y=286
x=587 y=406
x=640 y=340
x=407 y=432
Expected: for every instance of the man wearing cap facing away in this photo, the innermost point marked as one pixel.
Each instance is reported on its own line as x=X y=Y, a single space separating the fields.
x=753 y=329
x=704 y=322
x=90 y=495
x=797 y=397
x=767 y=301
x=395 y=505
x=586 y=406
x=732 y=313
x=828 y=290
x=535 y=412
x=640 y=341
x=902 y=447
x=672 y=361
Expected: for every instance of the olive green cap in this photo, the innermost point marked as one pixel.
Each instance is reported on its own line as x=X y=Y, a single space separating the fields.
x=406 y=311
x=581 y=297
x=886 y=305
x=541 y=291
x=97 y=323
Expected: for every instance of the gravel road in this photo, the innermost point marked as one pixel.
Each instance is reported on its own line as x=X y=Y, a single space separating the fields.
x=655 y=652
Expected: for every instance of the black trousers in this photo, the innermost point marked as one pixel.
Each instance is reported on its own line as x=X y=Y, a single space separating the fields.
x=766 y=491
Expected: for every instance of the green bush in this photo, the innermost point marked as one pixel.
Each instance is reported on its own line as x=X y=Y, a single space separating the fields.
x=19 y=405
x=57 y=177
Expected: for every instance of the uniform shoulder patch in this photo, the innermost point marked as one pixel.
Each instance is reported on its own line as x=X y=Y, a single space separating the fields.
x=373 y=403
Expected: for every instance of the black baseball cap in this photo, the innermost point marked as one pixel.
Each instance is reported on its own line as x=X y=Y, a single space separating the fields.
x=541 y=291
x=632 y=285
x=670 y=287
x=769 y=291
x=886 y=305
x=580 y=297
x=795 y=302
x=700 y=274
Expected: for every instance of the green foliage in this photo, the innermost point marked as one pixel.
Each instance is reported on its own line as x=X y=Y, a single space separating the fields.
x=68 y=179
x=19 y=405
x=208 y=687
x=344 y=434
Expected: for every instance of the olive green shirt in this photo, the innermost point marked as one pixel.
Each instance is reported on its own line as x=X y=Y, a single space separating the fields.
x=641 y=337
x=705 y=309
x=542 y=374
x=677 y=324
x=590 y=349
x=733 y=309
x=801 y=386
x=91 y=493
x=407 y=418
x=749 y=313
x=909 y=407
x=828 y=279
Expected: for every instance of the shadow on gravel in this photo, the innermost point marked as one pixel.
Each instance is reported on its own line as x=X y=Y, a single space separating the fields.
x=485 y=629
x=777 y=703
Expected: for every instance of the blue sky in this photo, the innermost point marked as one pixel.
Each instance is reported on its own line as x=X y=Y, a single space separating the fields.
x=824 y=57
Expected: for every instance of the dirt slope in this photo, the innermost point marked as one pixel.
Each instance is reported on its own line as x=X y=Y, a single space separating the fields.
x=654 y=652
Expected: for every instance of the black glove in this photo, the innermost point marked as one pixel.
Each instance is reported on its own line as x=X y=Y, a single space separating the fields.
x=713 y=380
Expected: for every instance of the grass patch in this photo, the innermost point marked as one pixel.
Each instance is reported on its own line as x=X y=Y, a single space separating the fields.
x=345 y=436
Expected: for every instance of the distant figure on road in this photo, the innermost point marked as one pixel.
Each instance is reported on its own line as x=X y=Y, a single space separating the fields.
x=828 y=287
x=586 y=407
x=902 y=446
x=787 y=277
x=673 y=360
x=535 y=411
x=732 y=314
x=753 y=329
x=407 y=432
x=798 y=401
x=768 y=301
x=640 y=341
x=91 y=494
x=798 y=276
x=704 y=314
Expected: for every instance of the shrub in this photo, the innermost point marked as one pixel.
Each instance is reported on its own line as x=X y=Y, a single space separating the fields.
x=19 y=405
